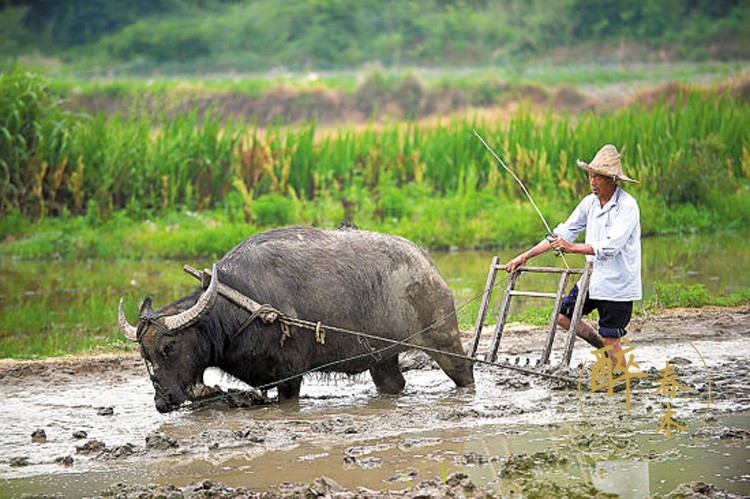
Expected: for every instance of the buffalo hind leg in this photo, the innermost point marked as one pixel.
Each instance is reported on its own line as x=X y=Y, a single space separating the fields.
x=387 y=376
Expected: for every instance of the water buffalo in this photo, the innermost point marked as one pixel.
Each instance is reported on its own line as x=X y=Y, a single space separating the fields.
x=380 y=284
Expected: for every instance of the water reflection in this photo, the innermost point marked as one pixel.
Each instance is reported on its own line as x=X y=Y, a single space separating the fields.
x=629 y=479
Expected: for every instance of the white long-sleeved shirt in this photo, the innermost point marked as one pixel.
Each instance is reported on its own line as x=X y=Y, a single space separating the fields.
x=614 y=231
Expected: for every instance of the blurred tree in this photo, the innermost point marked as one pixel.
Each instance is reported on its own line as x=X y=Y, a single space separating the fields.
x=68 y=23
x=15 y=35
x=340 y=33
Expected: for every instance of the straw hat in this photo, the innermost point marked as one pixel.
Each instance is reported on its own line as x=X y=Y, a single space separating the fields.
x=607 y=163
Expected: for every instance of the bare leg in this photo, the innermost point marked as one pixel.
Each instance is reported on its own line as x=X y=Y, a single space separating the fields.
x=616 y=352
x=585 y=331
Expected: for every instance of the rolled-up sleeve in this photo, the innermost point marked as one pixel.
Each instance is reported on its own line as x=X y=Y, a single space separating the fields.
x=576 y=222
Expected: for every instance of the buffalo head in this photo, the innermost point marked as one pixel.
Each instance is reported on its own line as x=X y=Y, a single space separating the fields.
x=171 y=345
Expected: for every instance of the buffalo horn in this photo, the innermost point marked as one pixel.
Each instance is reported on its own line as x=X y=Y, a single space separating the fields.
x=204 y=303
x=127 y=330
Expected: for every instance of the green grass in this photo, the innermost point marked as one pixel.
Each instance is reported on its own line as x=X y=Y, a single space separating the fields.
x=675 y=295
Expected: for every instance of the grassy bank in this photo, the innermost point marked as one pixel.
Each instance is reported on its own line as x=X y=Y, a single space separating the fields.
x=459 y=221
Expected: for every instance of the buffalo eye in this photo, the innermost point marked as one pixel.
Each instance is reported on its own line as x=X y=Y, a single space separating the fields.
x=167 y=348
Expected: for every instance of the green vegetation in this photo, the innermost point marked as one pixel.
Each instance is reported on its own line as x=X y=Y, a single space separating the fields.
x=675 y=295
x=73 y=309
x=251 y=35
x=89 y=182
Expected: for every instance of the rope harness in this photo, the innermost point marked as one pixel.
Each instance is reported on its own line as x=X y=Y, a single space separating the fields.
x=144 y=323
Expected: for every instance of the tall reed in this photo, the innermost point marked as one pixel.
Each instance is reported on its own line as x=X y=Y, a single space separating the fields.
x=55 y=163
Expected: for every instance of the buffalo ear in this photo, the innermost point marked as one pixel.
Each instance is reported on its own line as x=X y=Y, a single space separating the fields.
x=146 y=308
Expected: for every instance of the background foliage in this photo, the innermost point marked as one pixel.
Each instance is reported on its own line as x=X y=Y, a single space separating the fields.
x=324 y=34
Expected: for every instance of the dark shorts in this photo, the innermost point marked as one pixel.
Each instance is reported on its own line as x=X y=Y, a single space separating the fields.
x=614 y=316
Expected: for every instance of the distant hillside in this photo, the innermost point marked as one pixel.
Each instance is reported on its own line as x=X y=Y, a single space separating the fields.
x=253 y=35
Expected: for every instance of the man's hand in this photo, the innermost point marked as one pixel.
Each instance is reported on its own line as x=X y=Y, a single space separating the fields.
x=560 y=244
x=563 y=246
x=512 y=265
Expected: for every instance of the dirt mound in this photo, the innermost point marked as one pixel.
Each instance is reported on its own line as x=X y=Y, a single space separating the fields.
x=455 y=485
x=570 y=99
x=738 y=88
x=68 y=369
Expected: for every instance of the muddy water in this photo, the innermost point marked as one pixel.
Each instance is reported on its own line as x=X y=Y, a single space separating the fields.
x=572 y=438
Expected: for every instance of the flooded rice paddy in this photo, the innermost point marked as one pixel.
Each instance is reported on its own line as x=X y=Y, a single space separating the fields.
x=71 y=300
x=510 y=435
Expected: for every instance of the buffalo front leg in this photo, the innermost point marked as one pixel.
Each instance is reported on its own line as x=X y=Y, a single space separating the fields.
x=387 y=376
x=289 y=390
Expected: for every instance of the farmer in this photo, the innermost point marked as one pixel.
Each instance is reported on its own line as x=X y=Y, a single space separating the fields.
x=611 y=219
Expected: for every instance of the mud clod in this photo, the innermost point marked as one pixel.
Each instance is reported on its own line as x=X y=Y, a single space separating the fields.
x=696 y=490
x=105 y=411
x=524 y=465
x=80 y=434
x=338 y=424
x=366 y=463
x=91 y=447
x=544 y=489
x=17 y=462
x=735 y=434
x=200 y=490
x=160 y=441
x=470 y=458
x=680 y=361
x=122 y=451
x=725 y=433
x=324 y=486
x=65 y=460
x=39 y=436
